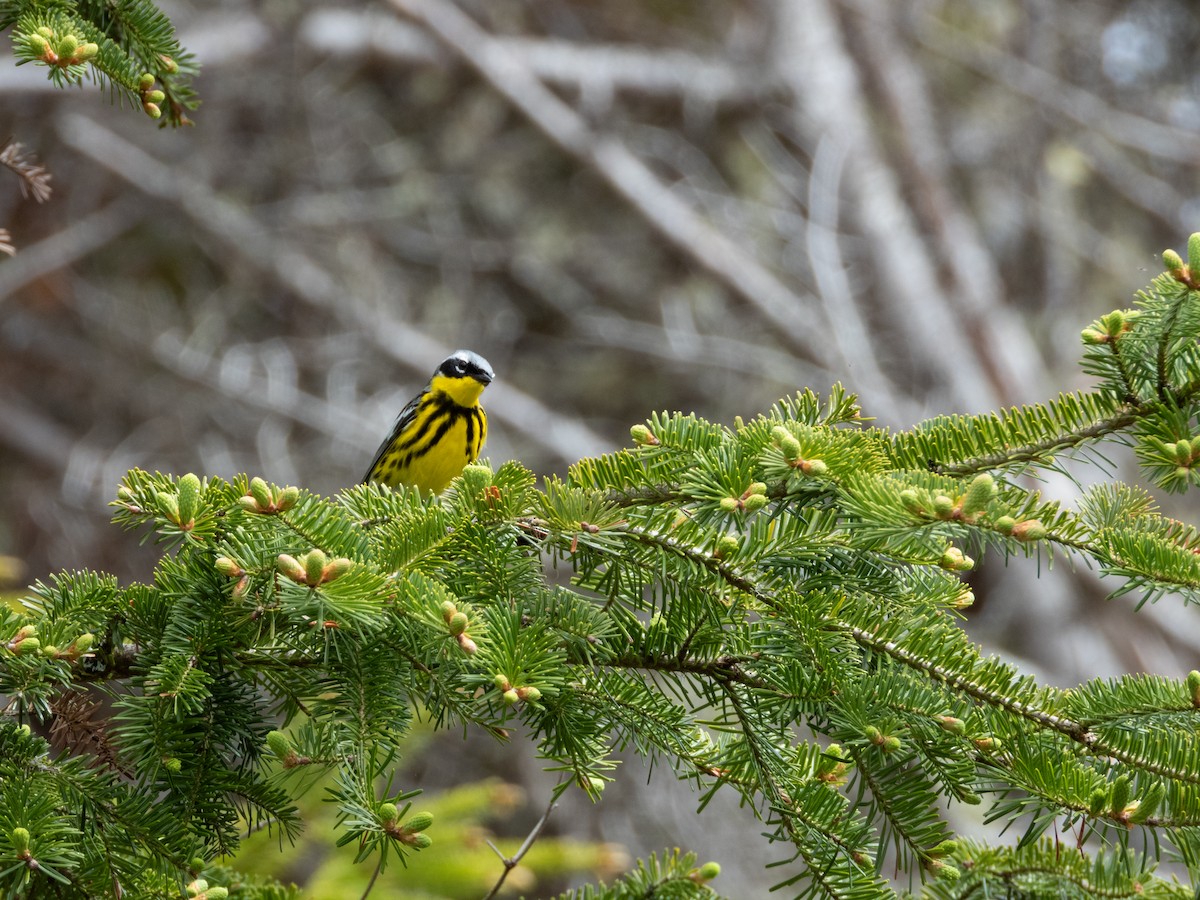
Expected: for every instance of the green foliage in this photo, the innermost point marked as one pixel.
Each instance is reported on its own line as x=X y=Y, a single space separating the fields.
x=128 y=46
x=770 y=609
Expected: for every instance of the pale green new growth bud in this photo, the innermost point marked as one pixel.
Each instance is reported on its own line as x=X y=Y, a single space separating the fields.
x=911 y=501
x=314 y=566
x=173 y=764
x=790 y=447
x=1097 y=801
x=1183 y=451
x=197 y=887
x=26 y=647
x=501 y=681
x=168 y=504
x=418 y=822
x=891 y=744
x=727 y=545
x=755 y=502
x=729 y=504
x=706 y=872
x=336 y=568
x=1148 y=803
x=1194 y=253
x=943 y=506
x=952 y=724
x=290 y=567
x=287 y=498
x=979 y=494
x=189 y=495
x=1172 y=261
x=643 y=436
x=817 y=468
x=1029 y=530
x=156 y=96
x=1120 y=795
x=261 y=492
x=87 y=51
x=249 y=504
x=955 y=560
x=458 y=623
x=1005 y=524
x=945 y=848
x=228 y=567
x=154 y=112
x=84 y=643
x=146 y=81
x=1193 y=686
x=530 y=693
x=756 y=487
x=511 y=697
x=873 y=734
x=420 y=841
x=388 y=813
x=216 y=892
x=20 y=840
x=280 y=745
x=67 y=45
x=449 y=608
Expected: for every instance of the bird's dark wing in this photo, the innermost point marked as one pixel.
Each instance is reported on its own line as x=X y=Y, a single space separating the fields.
x=402 y=422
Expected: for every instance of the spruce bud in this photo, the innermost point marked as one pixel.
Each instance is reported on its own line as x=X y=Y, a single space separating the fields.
x=156 y=96
x=146 y=82
x=1148 y=803
x=476 y=479
x=1172 y=261
x=280 y=745
x=911 y=501
x=755 y=502
x=261 y=492
x=954 y=560
x=1029 y=530
x=87 y=51
x=287 y=498
x=816 y=468
x=1183 y=451
x=1194 y=254
x=530 y=693
x=67 y=45
x=1005 y=524
x=979 y=494
x=467 y=645
x=448 y=610
x=945 y=848
x=705 y=873
x=727 y=545
x=83 y=644
x=643 y=436
x=1193 y=686
x=20 y=841
x=419 y=841
x=290 y=567
x=501 y=681
x=890 y=744
x=943 y=506
x=336 y=568
x=1092 y=336
x=154 y=112
x=952 y=724
x=168 y=504
x=458 y=623
x=189 y=495
x=729 y=504
x=1120 y=795
x=388 y=813
x=25 y=647
x=1097 y=801
x=228 y=567
x=314 y=566
x=790 y=447
x=511 y=697
x=418 y=822
x=873 y=734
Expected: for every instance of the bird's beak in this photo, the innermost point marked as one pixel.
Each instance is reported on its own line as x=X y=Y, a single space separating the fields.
x=483 y=378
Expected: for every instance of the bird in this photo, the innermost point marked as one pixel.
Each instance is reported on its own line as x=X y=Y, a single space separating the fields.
x=438 y=431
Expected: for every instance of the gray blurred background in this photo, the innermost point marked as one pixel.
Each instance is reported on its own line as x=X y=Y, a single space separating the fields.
x=626 y=206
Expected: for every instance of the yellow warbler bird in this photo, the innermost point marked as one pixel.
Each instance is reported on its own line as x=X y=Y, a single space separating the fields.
x=440 y=430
